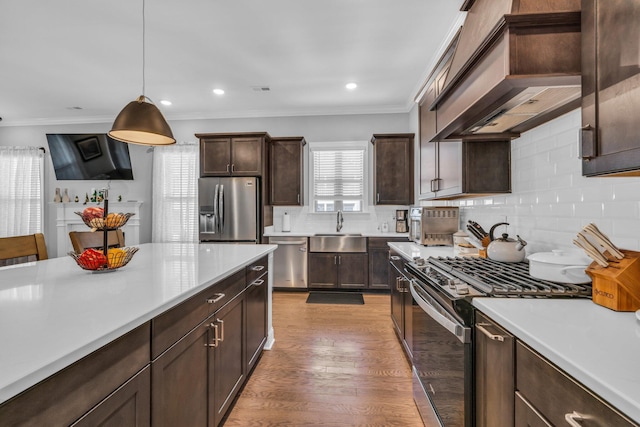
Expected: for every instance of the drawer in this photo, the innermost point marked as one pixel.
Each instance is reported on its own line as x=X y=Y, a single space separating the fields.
x=168 y=327
x=381 y=242
x=257 y=269
x=68 y=394
x=527 y=416
x=554 y=394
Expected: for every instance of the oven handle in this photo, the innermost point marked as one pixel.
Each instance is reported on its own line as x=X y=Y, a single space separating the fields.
x=461 y=332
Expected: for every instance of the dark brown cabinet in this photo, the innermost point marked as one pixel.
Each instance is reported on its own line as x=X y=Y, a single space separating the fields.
x=393 y=168
x=548 y=396
x=401 y=303
x=338 y=270
x=379 y=261
x=494 y=380
x=610 y=87
x=238 y=154
x=286 y=171
x=256 y=300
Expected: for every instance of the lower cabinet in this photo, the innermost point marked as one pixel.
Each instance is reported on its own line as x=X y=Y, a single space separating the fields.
x=341 y=270
x=257 y=295
x=378 y=250
x=401 y=303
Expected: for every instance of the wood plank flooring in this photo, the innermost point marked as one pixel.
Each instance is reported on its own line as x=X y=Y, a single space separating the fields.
x=331 y=365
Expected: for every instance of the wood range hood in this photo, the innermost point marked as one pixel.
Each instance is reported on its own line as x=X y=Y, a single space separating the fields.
x=514 y=65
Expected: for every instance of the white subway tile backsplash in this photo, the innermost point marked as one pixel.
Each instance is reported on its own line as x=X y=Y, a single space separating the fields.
x=551 y=200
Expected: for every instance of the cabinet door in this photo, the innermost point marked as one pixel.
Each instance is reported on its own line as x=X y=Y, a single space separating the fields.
x=256 y=296
x=352 y=270
x=129 y=406
x=286 y=172
x=179 y=377
x=215 y=157
x=378 y=268
x=228 y=358
x=323 y=270
x=393 y=170
x=449 y=168
x=397 y=308
x=611 y=86
x=494 y=372
x=246 y=156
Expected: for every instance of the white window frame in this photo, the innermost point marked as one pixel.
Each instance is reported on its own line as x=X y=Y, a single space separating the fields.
x=333 y=146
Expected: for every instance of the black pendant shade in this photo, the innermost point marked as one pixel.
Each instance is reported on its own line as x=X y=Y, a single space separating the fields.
x=141 y=122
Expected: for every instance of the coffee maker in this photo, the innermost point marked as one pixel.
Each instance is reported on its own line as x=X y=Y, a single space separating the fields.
x=402 y=225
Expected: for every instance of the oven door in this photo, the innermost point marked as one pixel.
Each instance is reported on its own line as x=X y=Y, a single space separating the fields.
x=442 y=362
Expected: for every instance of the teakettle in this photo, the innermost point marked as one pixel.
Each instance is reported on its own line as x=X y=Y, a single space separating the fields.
x=505 y=249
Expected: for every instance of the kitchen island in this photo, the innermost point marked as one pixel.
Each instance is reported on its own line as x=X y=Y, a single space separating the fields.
x=54 y=314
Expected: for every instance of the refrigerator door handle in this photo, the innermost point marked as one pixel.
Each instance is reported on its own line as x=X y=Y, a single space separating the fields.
x=221 y=207
x=215 y=209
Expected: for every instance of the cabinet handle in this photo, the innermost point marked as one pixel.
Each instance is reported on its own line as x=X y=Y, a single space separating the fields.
x=217 y=297
x=227 y=168
x=258 y=268
x=395 y=258
x=339 y=259
x=335 y=260
x=574 y=418
x=221 y=329
x=298 y=198
x=233 y=167
x=257 y=282
x=491 y=336
x=587 y=145
x=215 y=336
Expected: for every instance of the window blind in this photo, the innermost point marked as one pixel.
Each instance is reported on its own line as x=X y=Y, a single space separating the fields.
x=21 y=175
x=175 y=193
x=338 y=179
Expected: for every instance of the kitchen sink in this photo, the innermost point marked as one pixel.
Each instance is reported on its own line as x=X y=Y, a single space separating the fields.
x=336 y=242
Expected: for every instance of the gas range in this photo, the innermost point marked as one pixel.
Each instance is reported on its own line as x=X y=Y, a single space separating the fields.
x=467 y=277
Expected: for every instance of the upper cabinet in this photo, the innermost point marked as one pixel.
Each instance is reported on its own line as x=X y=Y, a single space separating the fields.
x=236 y=154
x=610 y=87
x=286 y=171
x=393 y=168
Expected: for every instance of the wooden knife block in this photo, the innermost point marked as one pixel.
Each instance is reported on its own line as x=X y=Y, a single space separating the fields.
x=618 y=286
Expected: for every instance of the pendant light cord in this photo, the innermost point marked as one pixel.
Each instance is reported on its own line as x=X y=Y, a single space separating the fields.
x=143 y=48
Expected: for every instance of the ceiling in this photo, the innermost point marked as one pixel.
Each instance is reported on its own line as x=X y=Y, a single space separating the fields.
x=80 y=61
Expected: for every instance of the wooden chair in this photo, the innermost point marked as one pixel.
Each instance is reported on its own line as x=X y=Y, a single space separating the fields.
x=82 y=240
x=19 y=249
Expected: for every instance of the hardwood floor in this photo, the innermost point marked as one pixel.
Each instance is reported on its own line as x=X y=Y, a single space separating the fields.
x=331 y=365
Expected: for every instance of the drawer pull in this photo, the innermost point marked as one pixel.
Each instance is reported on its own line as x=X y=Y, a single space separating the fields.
x=491 y=336
x=257 y=268
x=215 y=299
x=395 y=258
x=221 y=329
x=257 y=282
x=574 y=418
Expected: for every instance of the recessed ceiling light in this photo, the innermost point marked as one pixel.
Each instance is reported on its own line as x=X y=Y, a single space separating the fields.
x=351 y=86
x=165 y=102
x=218 y=91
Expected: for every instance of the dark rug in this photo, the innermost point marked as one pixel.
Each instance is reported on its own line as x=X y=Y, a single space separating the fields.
x=335 y=298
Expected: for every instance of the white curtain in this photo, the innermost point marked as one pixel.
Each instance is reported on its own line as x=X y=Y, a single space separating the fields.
x=21 y=181
x=175 y=193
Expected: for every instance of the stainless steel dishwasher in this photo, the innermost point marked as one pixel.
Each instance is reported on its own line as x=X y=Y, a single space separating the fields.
x=289 y=262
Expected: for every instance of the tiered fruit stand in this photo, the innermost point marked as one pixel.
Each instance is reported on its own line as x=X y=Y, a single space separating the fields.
x=107 y=259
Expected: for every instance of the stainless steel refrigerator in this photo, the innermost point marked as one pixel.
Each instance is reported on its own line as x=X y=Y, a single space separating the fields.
x=229 y=209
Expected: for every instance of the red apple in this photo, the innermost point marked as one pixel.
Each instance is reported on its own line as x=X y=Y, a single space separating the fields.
x=92 y=212
x=92 y=259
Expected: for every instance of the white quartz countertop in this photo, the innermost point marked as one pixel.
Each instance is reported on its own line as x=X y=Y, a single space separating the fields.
x=53 y=313
x=409 y=250
x=598 y=347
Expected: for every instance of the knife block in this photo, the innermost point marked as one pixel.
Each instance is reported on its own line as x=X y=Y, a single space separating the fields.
x=617 y=286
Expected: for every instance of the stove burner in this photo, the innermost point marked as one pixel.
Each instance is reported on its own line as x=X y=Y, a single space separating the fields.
x=501 y=279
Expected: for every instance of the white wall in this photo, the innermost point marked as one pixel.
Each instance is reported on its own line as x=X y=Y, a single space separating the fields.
x=313 y=128
x=551 y=201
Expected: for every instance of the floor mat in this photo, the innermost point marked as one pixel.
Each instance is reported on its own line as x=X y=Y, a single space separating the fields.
x=335 y=298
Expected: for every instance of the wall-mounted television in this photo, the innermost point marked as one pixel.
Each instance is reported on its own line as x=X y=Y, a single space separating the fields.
x=93 y=156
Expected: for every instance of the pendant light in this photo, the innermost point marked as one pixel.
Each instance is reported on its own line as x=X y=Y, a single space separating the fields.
x=141 y=122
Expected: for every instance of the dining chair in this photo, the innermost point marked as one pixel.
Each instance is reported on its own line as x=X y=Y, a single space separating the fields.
x=20 y=249
x=82 y=240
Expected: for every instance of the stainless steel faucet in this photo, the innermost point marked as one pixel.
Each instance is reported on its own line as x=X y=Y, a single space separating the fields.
x=339 y=221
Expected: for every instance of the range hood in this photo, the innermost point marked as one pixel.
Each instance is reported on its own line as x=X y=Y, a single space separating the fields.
x=515 y=65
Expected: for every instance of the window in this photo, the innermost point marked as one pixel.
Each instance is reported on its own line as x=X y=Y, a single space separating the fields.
x=175 y=193
x=338 y=177
x=21 y=172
